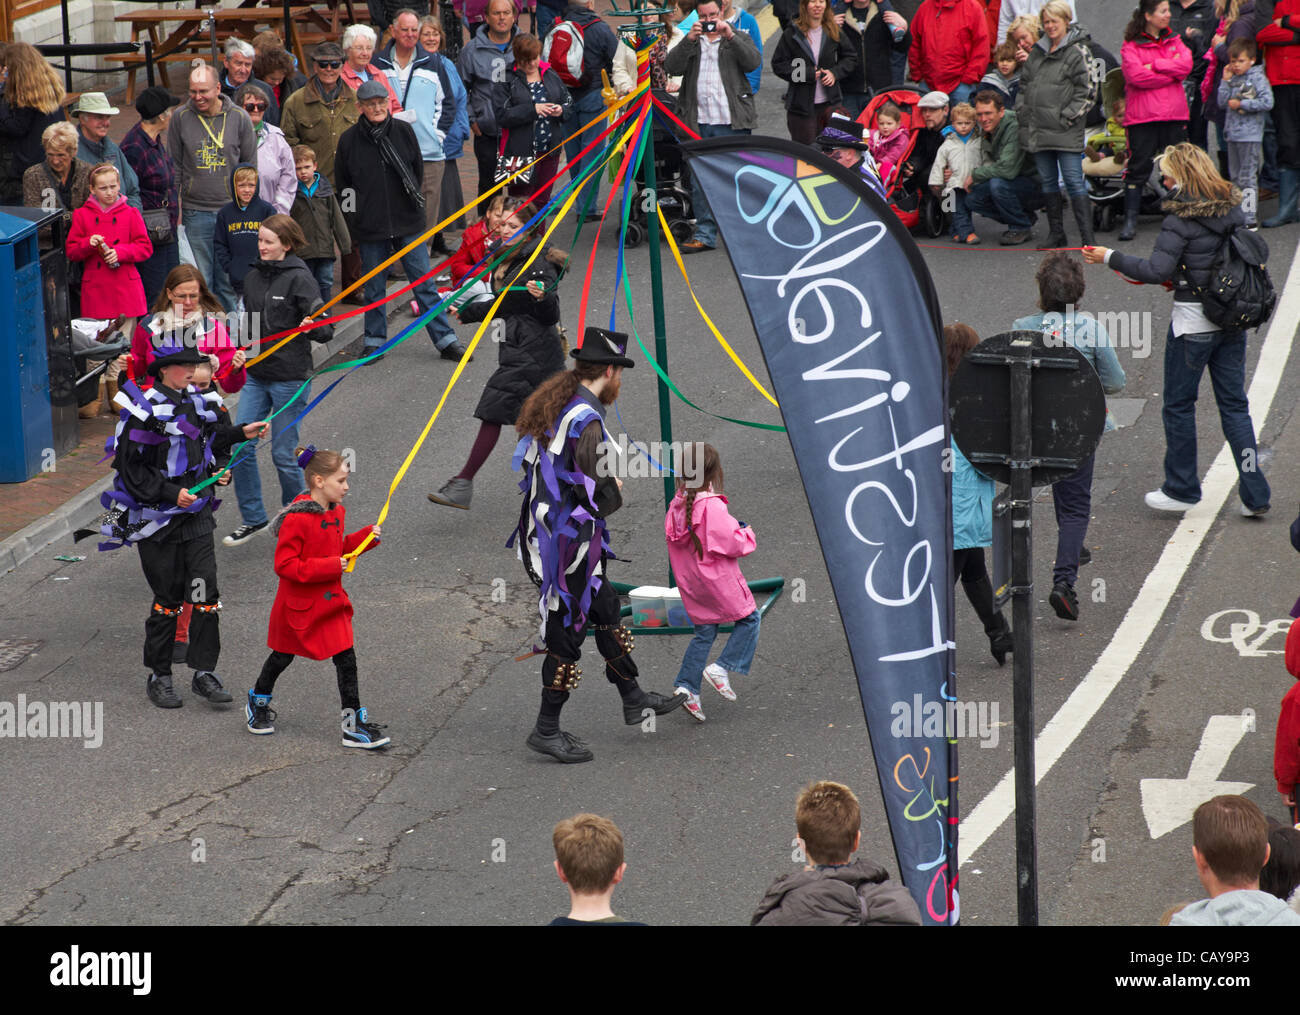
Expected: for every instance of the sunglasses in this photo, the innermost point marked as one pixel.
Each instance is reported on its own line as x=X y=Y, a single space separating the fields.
x=255 y=107
x=329 y=64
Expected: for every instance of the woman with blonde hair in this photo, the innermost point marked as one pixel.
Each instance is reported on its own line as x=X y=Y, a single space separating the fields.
x=1056 y=93
x=1023 y=33
x=812 y=41
x=32 y=100
x=1202 y=209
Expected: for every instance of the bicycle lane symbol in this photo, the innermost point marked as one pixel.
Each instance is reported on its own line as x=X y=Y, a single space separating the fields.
x=1247 y=635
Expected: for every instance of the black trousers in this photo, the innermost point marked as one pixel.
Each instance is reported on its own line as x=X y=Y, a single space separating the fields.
x=1145 y=142
x=1286 y=120
x=564 y=644
x=181 y=571
x=345 y=669
x=485 y=153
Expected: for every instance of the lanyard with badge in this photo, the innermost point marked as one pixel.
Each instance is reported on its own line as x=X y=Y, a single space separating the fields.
x=213 y=158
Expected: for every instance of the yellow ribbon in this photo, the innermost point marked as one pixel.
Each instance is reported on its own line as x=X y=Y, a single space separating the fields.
x=672 y=245
x=464 y=361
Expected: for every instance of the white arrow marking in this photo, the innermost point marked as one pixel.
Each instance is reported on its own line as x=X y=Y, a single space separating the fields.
x=1168 y=803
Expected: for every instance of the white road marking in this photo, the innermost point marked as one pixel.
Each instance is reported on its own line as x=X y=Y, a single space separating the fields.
x=1153 y=598
x=1168 y=803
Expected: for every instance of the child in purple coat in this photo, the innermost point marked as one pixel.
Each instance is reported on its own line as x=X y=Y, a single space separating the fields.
x=704 y=544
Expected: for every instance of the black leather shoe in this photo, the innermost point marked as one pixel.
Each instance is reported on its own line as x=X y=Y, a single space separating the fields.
x=660 y=704
x=563 y=747
x=161 y=693
x=1085 y=556
x=206 y=685
x=455 y=352
x=1064 y=602
x=1015 y=237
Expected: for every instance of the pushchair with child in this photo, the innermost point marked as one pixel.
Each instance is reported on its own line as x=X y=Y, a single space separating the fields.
x=1104 y=174
x=905 y=203
x=672 y=187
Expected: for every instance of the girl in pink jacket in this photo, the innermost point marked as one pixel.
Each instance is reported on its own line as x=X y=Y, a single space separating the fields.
x=1156 y=62
x=704 y=545
x=109 y=236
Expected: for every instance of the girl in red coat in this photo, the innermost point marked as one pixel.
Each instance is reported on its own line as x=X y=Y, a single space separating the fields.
x=312 y=615
x=109 y=236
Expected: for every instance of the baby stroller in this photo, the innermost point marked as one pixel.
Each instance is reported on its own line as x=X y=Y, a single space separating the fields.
x=672 y=186
x=905 y=203
x=94 y=345
x=1106 y=192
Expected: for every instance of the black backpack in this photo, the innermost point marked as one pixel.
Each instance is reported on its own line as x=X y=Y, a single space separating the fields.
x=1239 y=293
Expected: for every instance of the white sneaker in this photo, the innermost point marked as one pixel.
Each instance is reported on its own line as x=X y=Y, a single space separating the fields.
x=1161 y=501
x=717 y=676
x=692 y=703
x=1249 y=512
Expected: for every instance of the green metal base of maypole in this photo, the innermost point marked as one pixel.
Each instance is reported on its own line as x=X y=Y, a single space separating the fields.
x=771 y=586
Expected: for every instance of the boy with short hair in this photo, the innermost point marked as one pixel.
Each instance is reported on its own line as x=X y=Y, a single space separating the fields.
x=235 y=240
x=589 y=860
x=833 y=890
x=316 y=209
x=1005 y=75
x=957 y=158
x=1230 y=847
x=1246 y=97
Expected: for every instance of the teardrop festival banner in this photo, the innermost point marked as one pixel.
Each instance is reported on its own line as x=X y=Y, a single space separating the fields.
x=848 y=320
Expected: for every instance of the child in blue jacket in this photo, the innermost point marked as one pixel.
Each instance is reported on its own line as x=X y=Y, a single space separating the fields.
x=235 y=238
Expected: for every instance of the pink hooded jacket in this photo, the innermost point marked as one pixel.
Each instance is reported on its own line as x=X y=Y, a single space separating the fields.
x=1155 y=94
x=713 y=589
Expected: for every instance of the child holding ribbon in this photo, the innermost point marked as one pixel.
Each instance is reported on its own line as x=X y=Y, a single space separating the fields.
x=312 y=615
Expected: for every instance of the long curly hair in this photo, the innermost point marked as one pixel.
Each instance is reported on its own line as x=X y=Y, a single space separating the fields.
x=541 y=410
x=32 y=83
x=701 y=461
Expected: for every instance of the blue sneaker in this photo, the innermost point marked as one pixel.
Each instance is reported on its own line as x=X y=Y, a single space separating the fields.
x=261 y=720
x=358 y=731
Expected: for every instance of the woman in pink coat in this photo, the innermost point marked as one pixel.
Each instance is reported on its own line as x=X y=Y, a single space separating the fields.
x=109 y=236
x=1155 y=62
x=187 y=313
x=704 y=545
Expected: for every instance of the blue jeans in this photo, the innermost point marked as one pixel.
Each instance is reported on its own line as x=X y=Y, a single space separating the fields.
x=1070 y=165
x=200 y=227
x=706 y=229
x=586 y=107
x=962 y=225
x=1072 y=501
x=154 y=271
x=1005 y=201
x=414 y=263
x=736 y=656
x=322 y=270
x=1186 y=357
x=257 y=401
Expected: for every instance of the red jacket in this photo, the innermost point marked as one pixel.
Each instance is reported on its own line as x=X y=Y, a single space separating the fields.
x=473 y=245
x=1286 y=748
x=110 y=292
x=312 y=615
x=950 y=43
x=214 y=339
x=1282 y=44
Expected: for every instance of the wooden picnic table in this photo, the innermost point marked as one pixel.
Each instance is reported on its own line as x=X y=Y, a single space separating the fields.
x=244 y=21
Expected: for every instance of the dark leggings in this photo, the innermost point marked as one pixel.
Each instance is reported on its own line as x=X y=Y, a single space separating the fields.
x=488 y=434
x=345 y=667
x=1145 y=142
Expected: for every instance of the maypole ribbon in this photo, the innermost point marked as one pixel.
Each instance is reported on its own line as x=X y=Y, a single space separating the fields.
x=595 y=166
x=383 y=266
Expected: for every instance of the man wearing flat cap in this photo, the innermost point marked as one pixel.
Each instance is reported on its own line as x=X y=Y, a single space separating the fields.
x=564 y=543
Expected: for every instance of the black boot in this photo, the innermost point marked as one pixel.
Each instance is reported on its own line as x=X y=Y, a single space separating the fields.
x=1132 y=205
x=1055 y=222
x=980 y=594
x=1083 y=218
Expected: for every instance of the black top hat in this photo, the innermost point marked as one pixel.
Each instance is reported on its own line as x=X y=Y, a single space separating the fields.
x=176 y=355
x=842 y=132
x=601 y=346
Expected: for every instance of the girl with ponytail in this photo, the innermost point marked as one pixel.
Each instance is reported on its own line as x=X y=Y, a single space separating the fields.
x=704 y=545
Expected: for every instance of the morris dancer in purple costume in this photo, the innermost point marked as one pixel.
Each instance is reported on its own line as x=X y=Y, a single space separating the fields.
x=563 y=541
x=167 y=441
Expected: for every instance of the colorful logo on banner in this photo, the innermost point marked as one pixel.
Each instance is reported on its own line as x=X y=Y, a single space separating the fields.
x=847 y=318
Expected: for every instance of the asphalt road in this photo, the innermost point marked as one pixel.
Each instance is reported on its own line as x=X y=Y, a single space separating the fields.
x=181 y=817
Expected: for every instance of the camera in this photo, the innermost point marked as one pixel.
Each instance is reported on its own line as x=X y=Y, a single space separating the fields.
x=708 y=27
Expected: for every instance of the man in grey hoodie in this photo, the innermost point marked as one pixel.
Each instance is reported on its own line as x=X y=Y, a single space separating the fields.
x=1230 y=846
x=207 y=137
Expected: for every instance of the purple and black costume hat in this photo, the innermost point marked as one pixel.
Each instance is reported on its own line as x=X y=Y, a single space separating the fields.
x=842 y=132
x=176 y=355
